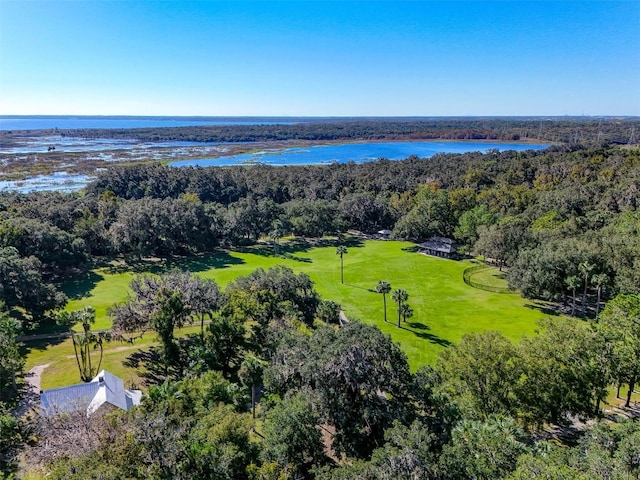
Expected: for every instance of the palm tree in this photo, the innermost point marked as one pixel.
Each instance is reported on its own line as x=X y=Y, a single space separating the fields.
x=399 y=295
x=406 y=311
x=250 y=374
x=384 y=288
x=573 y=282
x=341 y=250
x=329 y=311
x=86 y=341
x=599 y=280
x=585 y=268
x=276 y=232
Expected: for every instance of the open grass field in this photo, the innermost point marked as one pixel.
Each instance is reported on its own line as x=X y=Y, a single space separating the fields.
x=445 y=308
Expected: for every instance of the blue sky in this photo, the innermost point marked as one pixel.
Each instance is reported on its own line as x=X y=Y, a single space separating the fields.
x=319 y=58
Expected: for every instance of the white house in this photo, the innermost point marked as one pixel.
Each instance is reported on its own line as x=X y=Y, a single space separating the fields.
x=105 y=389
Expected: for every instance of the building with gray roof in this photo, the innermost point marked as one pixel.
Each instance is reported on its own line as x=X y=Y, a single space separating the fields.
x=439 y=247
x=104 y=390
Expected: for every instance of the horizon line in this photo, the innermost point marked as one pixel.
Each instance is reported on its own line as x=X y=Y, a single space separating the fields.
x=319 y=116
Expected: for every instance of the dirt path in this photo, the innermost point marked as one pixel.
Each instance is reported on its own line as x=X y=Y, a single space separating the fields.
x=34 y=377
x=31 y=399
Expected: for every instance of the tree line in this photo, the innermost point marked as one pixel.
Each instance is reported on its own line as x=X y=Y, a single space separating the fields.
x=567 y=130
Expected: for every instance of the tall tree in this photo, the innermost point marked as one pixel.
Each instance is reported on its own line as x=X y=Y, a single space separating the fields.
x=200 y=297
x=86 y=341
x=564 y=370
x=599 y=280
x=400 y=296
x=292 y=437
x=573 y=282
x=12 y=360
x=483 y=370
x=278 y=290
x=620 y=324
x=360 y=376
x=341 y=250
x=251 y=375
x=169 y=314
x=12 y=436
x=384 y=288
x=203 y=297
x=484 y=450
x=162 y=304
x=406 y=311
x=277 y=230
x=585 y=269
x=22 y=285
x=221 y=347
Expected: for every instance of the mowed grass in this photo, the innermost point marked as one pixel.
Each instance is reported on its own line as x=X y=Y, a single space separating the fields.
x=100 y=289
x=445 y=308
x=491 y=277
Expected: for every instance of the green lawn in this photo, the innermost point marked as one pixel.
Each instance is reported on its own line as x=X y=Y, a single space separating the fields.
x=445 y=308
x=100 y=288
x=491 y=277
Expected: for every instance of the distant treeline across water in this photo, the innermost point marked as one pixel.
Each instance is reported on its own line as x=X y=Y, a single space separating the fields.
x=570 y=130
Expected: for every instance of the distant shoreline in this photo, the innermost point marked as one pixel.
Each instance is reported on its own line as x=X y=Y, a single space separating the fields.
x=39 y=122
x=27 y=153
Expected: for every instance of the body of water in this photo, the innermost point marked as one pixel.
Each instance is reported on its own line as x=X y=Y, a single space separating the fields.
x=59 y=181
x=39 y=144
x=354 y=152
x=315 y=155
x=42 y=122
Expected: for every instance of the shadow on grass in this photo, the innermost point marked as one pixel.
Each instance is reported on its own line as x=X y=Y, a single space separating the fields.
x=80 y=286
x=361 y=288
x=148 y=365
x=289 y=256
x=218 y=259
x=38 y=330
x=133 y=264
x=422 y=333
x=266 y=250
x=196 y=263
x=293 y=247
x=418 y=326
x=40 y=342
x=546 y=309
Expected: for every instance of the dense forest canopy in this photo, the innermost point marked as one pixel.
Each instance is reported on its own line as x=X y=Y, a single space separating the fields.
x=555 y=129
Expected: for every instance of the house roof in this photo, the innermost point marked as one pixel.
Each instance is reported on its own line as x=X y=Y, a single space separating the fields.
x=440 y=244
x=105 y=388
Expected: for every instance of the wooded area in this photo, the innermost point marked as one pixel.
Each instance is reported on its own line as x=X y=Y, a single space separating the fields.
x=568 y=130
x=340 y=403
